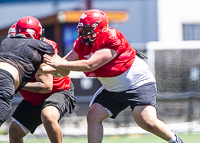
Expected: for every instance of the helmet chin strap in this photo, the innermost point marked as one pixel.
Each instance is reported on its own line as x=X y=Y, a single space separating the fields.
x=87 y=41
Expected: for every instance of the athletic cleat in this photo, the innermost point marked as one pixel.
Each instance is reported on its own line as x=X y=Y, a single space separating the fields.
x=179 y=140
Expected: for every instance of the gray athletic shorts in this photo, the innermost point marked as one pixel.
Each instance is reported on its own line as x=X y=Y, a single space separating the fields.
x=30 y=116
x=118 y=101
x=7 y=91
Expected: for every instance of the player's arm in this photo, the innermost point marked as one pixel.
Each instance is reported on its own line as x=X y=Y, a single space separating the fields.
x=46 y=69
x=43 y=84
x=71 y=56
x=98 y=59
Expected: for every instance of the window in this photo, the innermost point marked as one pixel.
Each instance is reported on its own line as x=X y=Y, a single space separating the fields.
x=191 y=32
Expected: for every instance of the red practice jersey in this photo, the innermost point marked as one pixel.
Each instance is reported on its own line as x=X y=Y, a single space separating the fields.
x=59 y=84
x=55 y=47
x=112 y=39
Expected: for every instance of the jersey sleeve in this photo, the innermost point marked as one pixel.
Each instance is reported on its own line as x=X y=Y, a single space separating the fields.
x=52 y=43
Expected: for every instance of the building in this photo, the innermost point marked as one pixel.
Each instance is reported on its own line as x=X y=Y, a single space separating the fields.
x=139 y=28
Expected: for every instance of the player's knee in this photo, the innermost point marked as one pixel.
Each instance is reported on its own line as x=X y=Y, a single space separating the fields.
x=148 y=125
x=94 y=117
x=15 y=132
x=47 y=118
x=91 y=117
x=12 y=130
x=49 y=114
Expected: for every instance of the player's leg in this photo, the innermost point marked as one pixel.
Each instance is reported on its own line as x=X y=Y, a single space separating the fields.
x=146 y=118
x=95 y=116
x=50 y=116
x=144 y=112
x=106 y=104
x=25 y=119
x=17 y=131
x=54 y=108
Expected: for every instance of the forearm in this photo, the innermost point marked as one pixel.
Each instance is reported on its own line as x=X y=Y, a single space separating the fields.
x=37 y=87
x=46 y=70
x=80 y=65
x=63 y=72
x=50 y=70
x=97 y=60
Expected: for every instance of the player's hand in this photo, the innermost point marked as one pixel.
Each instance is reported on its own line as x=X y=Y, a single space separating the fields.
x=52 y=60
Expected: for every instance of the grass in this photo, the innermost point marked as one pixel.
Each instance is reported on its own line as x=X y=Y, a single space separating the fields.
x=148 y=138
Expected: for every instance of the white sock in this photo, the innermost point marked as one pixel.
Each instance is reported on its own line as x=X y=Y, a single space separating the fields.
x=173 y=139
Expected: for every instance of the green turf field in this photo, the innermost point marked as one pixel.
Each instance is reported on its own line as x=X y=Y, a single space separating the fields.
x=149 y=138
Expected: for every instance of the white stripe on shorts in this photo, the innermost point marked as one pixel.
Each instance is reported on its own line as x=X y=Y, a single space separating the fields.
x=95 y=95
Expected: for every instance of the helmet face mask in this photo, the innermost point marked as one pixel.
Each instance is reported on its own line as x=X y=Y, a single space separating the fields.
x=29 y=27
x=86 y=33
x=91 y=24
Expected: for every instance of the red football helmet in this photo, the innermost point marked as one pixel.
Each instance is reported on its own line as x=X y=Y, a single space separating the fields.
x=30 y=27
x=92 y=23
x=12 y=31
